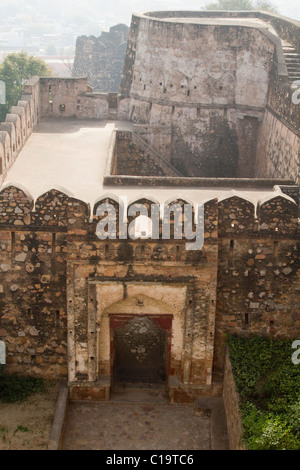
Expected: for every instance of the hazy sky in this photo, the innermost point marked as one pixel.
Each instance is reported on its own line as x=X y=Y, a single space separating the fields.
x=116 y=11
x=290 y=8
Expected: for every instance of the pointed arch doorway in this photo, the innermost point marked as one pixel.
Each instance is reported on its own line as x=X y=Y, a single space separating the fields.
x=140 y=349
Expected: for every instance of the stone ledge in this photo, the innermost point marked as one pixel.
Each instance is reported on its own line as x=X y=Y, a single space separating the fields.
x=213 y=407
x=91 y=391
x=256 y=183
x=57 y=430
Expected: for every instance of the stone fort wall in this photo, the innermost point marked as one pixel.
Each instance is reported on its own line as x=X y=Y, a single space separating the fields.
x=19 y=124
x=227 y=92
x=245 y=280
x=101 y=58
x=227 y=111
x=55 y=274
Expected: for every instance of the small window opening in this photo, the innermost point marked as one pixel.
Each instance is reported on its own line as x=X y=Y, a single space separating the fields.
x=106 y=252
x=275 y=250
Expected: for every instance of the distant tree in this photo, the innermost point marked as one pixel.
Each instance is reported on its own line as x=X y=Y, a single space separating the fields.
x=241 y=5
x=230 y=5
x=265 y=5
x=51 y=50
x=15 y=70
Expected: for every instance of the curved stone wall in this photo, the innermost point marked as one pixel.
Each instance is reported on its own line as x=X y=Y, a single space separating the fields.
x=205 y=83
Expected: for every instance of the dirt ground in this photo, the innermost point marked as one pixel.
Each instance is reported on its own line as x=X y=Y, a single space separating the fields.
x=26 y=425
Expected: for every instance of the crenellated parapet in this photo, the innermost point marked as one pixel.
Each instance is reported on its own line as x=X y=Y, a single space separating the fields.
x=18 y=126
x=231 y=216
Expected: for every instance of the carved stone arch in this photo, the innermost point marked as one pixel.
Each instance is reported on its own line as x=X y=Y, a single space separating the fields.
x=142 y=252
x=279 y=215
x=236 y=215
x=20 y=111
x=78 y=213
x=211 y=217
x=107 y=250
x=160 y=252
x=88 y=251
x=141 y=343
x=15 y=206
x=138 y=225
x=108 y=209
x=15 y=120
x=51 y=208
x=143 y=201
x=177 y=251
x=125 y=252
x=177 y=213
x=106 y=199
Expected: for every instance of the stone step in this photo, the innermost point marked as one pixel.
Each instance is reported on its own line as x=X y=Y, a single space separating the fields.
x=290 y=55
x=293 y=65
x=292 y=60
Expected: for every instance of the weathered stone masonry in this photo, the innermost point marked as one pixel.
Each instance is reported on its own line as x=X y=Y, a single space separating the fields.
x=102 y=58
x=60 y=284
x=64 y=292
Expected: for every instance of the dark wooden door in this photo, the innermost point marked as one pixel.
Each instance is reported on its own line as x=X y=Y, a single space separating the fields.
x=140 y=352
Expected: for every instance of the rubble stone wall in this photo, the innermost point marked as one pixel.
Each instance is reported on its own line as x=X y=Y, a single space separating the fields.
x=55 y=272
x=19 y=124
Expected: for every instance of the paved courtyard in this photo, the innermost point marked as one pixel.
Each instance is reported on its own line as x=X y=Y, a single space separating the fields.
x=125 y=425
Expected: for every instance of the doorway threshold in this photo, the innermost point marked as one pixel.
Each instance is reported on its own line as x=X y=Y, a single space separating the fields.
x=139 y=393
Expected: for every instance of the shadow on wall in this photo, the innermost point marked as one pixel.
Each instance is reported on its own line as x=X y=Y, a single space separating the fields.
x=216 y=156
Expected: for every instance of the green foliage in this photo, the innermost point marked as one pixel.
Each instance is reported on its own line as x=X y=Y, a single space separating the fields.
x=243 y=5
x=17 y=388
x=3 y=432
x=268 y=384
x=15 y=70
x=21 y=428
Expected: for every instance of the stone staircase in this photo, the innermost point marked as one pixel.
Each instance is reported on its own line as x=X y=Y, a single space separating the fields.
x=292 y=60
x=169 y=169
